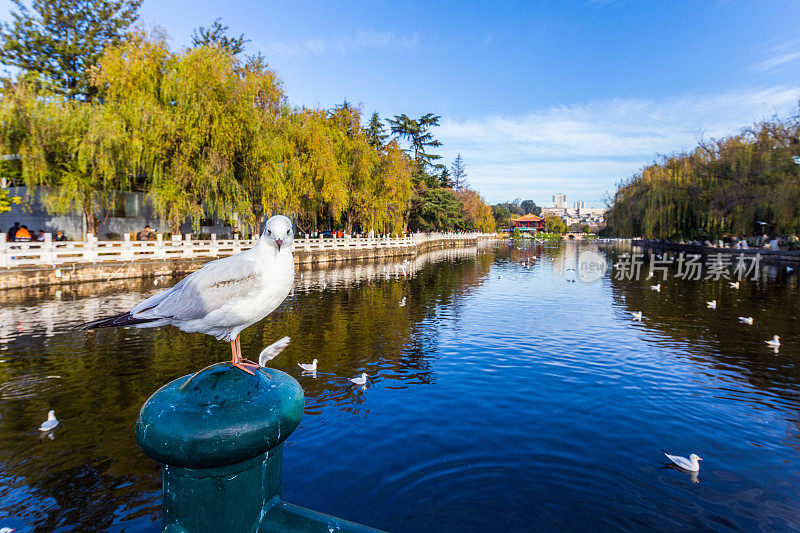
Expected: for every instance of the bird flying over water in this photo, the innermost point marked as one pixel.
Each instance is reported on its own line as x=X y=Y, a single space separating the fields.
x=225 y=296
x=746 y=320
x=271 y=352
x=656 y=288
x=734 y=284
x=712 y=304
x=637 y=315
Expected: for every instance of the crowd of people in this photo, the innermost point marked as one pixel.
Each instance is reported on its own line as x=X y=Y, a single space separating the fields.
x=21 y=233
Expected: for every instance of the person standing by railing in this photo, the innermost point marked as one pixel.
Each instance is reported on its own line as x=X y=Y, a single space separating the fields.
x=145 y=235
x=12 y=232
x=22 y=234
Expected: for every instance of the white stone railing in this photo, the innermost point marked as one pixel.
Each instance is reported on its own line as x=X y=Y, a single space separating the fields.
x=49 y=252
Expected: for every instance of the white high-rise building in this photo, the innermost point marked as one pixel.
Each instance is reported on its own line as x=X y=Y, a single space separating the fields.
x=560 y=201
x=579 y=205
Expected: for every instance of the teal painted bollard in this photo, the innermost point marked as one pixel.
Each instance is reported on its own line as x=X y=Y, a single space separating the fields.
x=219 y=435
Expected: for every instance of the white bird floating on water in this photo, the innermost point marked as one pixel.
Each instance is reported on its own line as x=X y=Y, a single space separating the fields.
x=500 y=276
x=789 y=269
x=50 y=423
x=271 y=352
x=746 y=320
x=775 y=342
x=225 y=296
x=656 y=287
x=637 y=316
x=359 y=381
x=309 y=367
x=403 y=302
x=712 y=304
x=7 y=530
x=691 y=464
x=734 y=284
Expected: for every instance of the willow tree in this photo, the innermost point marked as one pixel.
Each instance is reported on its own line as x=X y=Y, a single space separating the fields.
x=72 y=152
x=196 y=119
x=740 y=184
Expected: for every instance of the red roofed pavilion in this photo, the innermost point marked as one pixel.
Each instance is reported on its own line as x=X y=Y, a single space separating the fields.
x=528 y=223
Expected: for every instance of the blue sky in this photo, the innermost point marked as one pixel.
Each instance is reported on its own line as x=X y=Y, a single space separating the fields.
x=538 y=97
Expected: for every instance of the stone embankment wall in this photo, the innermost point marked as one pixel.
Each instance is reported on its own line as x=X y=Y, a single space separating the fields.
x=36 y=276
x=767 y=255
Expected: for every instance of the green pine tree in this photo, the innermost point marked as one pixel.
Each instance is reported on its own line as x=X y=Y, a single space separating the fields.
x=61 y=40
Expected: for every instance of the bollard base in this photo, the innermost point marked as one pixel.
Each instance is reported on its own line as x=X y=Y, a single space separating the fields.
x=229 y=498
x=287 y=518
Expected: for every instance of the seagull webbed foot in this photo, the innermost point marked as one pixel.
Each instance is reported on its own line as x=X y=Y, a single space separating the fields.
x=246 y=367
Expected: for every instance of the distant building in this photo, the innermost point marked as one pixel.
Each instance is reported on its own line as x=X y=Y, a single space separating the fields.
x=578 y=214
x=528 y=222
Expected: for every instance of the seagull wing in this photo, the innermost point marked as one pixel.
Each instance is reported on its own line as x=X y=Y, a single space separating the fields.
x=47 y=425
x=203 y=291
x=682 y=462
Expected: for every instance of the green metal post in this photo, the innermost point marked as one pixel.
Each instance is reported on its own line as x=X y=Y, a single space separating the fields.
x=219 y=436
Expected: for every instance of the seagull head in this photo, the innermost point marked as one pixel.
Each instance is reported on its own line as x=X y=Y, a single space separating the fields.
x=278 y=232
x=694 y=458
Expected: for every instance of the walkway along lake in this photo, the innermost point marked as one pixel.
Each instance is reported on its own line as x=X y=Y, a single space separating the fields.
x=501 y=398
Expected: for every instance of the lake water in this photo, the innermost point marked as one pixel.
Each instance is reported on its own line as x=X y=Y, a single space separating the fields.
x=501 y=398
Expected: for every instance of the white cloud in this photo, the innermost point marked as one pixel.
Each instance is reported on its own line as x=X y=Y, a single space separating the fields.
x=584 y=150
x=361 y=40
x=776 y=61
x=778 y=56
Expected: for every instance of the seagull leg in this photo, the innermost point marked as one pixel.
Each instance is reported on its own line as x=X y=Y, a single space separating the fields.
x=237 y=357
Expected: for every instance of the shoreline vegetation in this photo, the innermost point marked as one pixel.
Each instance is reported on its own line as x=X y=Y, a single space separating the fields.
x=736 y=187
x=207 y=132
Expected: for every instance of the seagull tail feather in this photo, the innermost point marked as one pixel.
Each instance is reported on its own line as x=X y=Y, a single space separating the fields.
x=125 y=319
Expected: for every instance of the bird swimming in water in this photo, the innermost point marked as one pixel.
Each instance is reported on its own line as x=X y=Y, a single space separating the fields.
x=691 y=464
x=50 y=423
x=775 y=342
x=360 y=380
x=225 y=296
x=312 y=367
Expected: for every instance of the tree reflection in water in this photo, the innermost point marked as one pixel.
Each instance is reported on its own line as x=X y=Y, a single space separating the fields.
x=91 y=475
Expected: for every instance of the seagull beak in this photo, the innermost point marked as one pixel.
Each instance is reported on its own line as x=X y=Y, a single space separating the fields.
x=699 y=458
x=279 y=242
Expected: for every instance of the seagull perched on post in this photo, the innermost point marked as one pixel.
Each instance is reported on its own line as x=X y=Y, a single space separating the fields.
x=225 y=296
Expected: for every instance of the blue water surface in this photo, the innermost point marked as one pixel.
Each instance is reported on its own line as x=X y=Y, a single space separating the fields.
x=501 y=397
